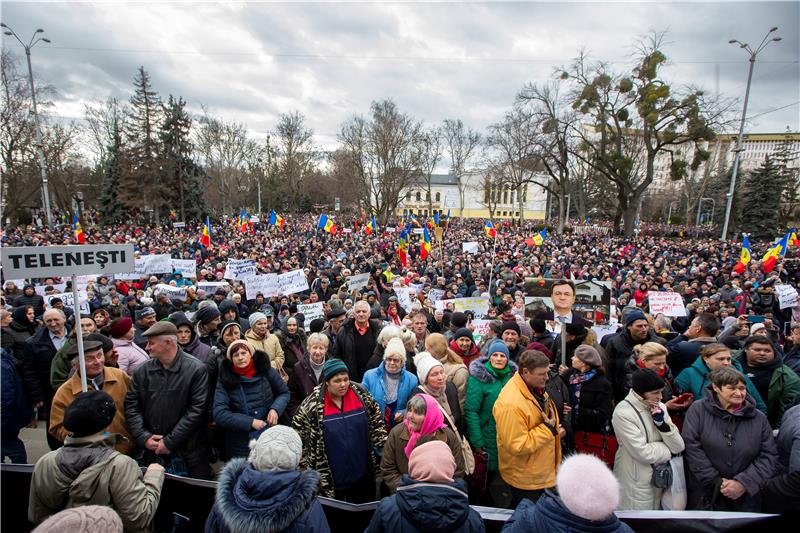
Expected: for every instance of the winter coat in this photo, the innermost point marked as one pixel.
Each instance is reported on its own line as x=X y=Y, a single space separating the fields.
x=721 y=444
x=308 y=421
x=373 y=382
x=682 y=354
x=16 y=410
x=87 y=471
x=550 y=515
x=130 y=355
x=293 y=346
x=783 y=391
x=618 y=351
x=457 y=374
x=302 y=381
x=345 y=346
x=639 y=448
x=196 y=348
x=695 y=380
x=789 y=440
x=451 y=394
x=528 y=450
x=61 y=366
x=238 y=400
x=595 y=405
x=394 y=462
x=251 y=501
x=115 y=384
x=426 y=507
x=483 y=388
x=270 y=345
x=170 y=402
x=35 y=300
x=19 y=333
x=39 y=353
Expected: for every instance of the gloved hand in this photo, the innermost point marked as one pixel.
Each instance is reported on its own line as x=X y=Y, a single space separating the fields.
x=658 y=417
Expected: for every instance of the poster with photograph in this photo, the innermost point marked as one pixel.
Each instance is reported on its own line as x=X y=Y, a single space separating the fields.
x=592 y=299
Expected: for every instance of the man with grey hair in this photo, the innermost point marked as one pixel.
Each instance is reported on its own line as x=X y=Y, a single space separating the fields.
x=356 y=340
x=38 y=354
x=166 y=406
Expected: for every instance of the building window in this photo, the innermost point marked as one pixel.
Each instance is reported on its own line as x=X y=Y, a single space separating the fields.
x=427 y=196
x=487 y=194
x=512 y=197
x=505 y=197
x=408 y=196
x=419 y=196
x=438 y=197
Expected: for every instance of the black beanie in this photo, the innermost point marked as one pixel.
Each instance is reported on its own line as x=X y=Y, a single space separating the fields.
x=509 y=325
x=89 y=413
x=645 y=380
x=458 y=319
x=463 y=332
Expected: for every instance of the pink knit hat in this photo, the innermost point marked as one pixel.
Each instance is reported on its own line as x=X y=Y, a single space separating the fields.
x=432 y=461
x=593 y=501
x=86 y=519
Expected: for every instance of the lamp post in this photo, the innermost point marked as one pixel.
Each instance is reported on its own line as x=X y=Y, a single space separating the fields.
x=40 y=149
x=738 y=149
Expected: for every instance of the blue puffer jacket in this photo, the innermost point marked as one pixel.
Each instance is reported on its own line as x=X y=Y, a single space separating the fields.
x=373 y=382
x=431 y=507
x=238 y=400
x=251 y=501
x=549 y=515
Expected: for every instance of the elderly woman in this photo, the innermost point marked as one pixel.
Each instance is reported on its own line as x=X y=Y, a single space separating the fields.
x=591 y=400
x=391 y=384
x=249 y=398
x=695 y=379
x=307 y=371
x=646 y=437
x=293 y=343
x=454 y=367
x=423 y=419
x=433 y=381
x=730 y=450
x=341 y=427
x=653 y=355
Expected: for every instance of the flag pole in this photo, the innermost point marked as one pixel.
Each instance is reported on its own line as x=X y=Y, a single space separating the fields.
x=491 y=272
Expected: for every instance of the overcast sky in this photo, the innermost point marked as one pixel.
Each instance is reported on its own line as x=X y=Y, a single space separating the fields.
x=250 y=62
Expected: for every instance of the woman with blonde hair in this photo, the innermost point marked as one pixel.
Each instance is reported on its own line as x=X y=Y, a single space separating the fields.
x=653 y=355
x=454 y=368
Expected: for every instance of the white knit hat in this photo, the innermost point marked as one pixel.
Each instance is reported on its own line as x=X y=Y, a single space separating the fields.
x=425 y=362
x=593 y=501
x=395 y=347
x=757 y=326
x=278 y=448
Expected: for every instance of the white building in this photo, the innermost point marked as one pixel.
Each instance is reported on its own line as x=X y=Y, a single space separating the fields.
x=445 y=195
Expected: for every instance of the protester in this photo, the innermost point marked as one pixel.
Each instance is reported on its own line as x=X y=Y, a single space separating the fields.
x=653 y=355
x=429 y=498
x=208 y=320
x=454 y=368
x=391 y=384
x=307 y=372
x=777 y=384
x=131 y=356
x=88 y=471
x=250 y=396
x=591 y=402
x=22 y=327
x=188 y=339
x=463 y=345
x=356 y=340
x=579 y=507
x=685 y=349
x=86 y=519
x=341 y=426
x=260 y=338
x=61 y=366
x=730 y=450
x=16 y=410
x=293 y=343
x=433 y=381
x=266 y=491
x=647 y=437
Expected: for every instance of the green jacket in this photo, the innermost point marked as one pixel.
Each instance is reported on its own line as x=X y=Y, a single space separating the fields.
x=694 y=379
x=784 y=388
x=483 y=388
x=61 y=366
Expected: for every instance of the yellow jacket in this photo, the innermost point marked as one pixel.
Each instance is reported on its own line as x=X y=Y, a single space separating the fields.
x=270 y=345
x=527 y=451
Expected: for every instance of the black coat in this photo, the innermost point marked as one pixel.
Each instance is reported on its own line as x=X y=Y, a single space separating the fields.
x=345 y=347
x=17 y=334
x=683 y=354
x=618 y=350
x=170 y=402
x=721 y=444
x=451 y=393
x=302 y=381
x=38 y=356
x=35 y=300
x=595 y=405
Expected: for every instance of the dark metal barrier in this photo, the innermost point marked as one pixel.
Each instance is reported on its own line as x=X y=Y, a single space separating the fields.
x=194 y=498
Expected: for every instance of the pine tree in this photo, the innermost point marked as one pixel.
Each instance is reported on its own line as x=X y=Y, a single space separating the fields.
x=111 y=209
x=761 y=200
x=785 y=155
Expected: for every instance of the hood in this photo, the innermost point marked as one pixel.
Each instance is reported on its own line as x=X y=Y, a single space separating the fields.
x=179 y=319
x=87 y=467
x=228 y=305
x=477 y=369
x=711 y=405
x=251 y=501
x=433 y=507
x=553 y=515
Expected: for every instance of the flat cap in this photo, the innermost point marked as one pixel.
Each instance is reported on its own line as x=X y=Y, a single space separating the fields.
x=88 y=346
x=164 y=327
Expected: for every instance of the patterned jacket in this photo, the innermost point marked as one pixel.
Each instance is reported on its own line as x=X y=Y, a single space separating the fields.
x=308 y=423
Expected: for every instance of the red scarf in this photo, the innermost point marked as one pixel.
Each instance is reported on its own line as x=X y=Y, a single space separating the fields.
x=661 y=373
x=249 y=371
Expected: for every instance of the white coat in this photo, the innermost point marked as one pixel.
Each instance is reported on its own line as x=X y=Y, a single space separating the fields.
x=636 y=454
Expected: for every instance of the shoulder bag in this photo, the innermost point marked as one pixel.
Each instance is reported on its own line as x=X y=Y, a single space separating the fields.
x=662 y=473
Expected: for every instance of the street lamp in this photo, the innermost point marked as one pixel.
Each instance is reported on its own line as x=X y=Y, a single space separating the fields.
x=40 y=149
x=738 y=150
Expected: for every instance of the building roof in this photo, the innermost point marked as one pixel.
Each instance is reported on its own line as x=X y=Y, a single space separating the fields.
x=442 y=179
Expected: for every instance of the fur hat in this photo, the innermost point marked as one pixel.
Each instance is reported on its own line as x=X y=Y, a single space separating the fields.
x=395 y=347
x=425 y=362
x=593 y=501
x=278 y=448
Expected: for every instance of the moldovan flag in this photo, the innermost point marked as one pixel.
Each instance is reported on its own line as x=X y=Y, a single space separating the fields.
x=489 y=229
x=426 y=244
x=539 y=238
x=371 y=226
x=80 y=238
x=770 y=259
x=243 y=220
x=275 y=219
x=327 y=224
x=205 y=237
x=793 y=240
x=744 y=257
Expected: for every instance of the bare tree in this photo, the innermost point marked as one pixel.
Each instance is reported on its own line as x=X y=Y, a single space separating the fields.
x=490 y=186
x=101 y=119
x=431 y=145
x=385 y=153
x=295 y=155
x=461 y=145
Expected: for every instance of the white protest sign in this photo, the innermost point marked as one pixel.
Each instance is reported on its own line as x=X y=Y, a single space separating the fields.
x=311 y=312
x=292 y=282
x=391 y=230
x=45 y=261
x=266 y=285
x=173 y=293
x=185 y=267
x=479 y=306
x=418 y=231
x=156 y=264
x=416 y=286
x=59 y=287
x=481 y=330
x=602 y=331
x=358 y=281
x=347 y=230
x=211 y=286
x=435 y=295
x=69 y=301
x=405 y=297
x=666 y=303
x=469 y=247
x=240 y=269
x=787 y=296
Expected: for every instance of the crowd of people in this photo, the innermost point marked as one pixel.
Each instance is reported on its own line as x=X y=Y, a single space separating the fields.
x=382 y=397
